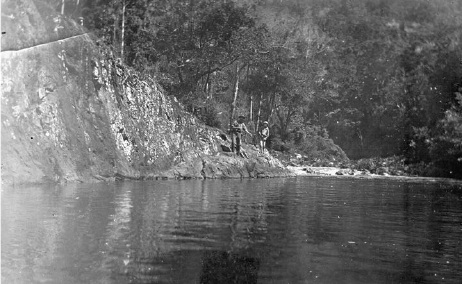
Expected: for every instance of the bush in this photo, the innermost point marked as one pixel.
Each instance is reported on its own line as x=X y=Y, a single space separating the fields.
x=276 y=143
x=210 y=117
x=393 y=165
x=320 y=148
x=312 y=143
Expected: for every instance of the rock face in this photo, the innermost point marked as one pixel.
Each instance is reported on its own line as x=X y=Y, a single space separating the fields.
x=70 y=112
x=27 y=23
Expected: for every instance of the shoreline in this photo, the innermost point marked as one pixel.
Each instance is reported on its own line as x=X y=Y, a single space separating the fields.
x=310 y=171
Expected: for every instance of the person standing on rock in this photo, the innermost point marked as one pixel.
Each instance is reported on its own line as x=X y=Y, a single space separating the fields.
x=264 y=133
x=237 y=129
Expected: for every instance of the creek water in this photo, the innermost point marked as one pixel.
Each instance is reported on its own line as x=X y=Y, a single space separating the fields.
x=295 y=230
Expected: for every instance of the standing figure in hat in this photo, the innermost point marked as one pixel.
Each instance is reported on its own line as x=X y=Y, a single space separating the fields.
x=237 y=129
x=264 y=133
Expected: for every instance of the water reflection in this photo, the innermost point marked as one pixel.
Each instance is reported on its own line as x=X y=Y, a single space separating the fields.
x=224 y=267
x=326 y=230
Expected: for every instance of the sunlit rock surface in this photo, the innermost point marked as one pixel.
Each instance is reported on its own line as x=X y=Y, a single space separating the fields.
x=70 y=112
x=27 y=23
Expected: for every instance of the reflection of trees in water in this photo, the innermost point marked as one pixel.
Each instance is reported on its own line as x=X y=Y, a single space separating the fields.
x=338 y=227
x=431 y=225
x=225 y=267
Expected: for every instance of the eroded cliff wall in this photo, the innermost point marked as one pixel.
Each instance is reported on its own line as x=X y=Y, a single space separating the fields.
x=70 y=112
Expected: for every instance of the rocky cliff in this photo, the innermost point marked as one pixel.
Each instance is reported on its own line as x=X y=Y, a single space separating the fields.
x=70 y=112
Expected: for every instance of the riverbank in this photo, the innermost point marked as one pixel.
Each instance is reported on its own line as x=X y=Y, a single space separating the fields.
x=351 y=173
x=228 y=165
x=333 y=171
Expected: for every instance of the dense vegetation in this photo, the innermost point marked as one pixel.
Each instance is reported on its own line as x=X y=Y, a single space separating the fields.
x=377 y=77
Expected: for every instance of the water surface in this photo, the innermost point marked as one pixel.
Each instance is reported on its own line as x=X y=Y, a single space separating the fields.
x=297 y=230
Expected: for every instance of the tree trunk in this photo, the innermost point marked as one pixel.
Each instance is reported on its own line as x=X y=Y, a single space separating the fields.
x=257 y=123
x=122 y=40
x=191 y=23
x=209 y=87
x=271 y=105
x=251 y=108
x=360 y=135
x=145 y=13
x=206 y=86
x=114 y=36
x=235 y=92
x=251 y=99
x=254 y=130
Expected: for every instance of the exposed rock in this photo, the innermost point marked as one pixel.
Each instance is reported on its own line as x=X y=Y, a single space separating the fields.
x=342 y=172
x=382 y=171
x=27 y=23
x=229 y=165
x=70 y=112
x=397 y=173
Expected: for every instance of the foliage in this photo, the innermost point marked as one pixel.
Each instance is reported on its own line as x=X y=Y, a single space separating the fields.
x=211 y=115
x=312 y=142
x=182 y=42
x=445 y=147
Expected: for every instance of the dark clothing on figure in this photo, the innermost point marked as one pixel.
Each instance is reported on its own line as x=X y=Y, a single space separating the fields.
x=236 y=136
x=236 y=142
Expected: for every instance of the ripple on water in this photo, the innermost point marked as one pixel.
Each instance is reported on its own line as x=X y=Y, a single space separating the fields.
x=297 y=230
